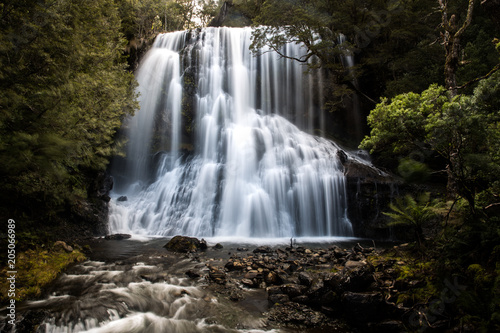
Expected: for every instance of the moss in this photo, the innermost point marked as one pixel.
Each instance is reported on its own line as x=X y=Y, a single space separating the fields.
x=36 y=269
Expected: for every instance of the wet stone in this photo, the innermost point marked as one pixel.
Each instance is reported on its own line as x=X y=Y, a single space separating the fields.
x=278 y=298
x=249 y=283
x=273 y=278
x=252 y=274
x=263 y=249
x=305 y=279
x=293 y=290
x=192 y=274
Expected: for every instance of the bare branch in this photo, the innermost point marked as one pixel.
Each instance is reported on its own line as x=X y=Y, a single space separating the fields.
x=303 y=59
x=492 y=205
x=490 y=73
x=468 y=19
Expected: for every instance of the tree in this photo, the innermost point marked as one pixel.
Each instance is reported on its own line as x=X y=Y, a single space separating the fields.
x=451 y=37
x=208 y=11
x=463 y=131
x=63 y=93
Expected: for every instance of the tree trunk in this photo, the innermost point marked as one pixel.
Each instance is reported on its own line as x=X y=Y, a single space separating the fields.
x=451 y=42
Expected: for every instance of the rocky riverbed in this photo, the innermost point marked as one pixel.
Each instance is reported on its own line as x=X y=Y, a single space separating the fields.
x=228 y=287
x=328 y=287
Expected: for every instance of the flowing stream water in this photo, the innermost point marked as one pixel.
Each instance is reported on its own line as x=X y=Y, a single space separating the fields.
x=255 y=168
x=135 y=286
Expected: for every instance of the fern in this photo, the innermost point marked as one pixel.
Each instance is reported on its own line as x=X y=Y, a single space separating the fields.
x=413 y=213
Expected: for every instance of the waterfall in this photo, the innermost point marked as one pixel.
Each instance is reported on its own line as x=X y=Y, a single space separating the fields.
x=255 y=168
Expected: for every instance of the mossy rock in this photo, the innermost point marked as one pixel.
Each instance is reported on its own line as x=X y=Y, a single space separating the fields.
x=185 y=244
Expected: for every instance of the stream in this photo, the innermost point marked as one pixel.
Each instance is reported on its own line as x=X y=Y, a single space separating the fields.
x=138 y=286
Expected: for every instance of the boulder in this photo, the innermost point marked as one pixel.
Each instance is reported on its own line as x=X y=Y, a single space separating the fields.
x=263 y=249
x=185 y=244
x=117 y=237
x=357 y=275
x=293 y=290
x=273 y=278
x=192 y=274
x=305 y=279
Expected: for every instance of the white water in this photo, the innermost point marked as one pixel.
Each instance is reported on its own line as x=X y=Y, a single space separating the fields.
x=98 y=297
x=253 y=172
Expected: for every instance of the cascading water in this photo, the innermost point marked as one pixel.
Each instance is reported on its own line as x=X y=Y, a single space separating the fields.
x=252 y=172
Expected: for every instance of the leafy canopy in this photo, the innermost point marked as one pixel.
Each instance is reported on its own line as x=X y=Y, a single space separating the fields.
x=63 y=94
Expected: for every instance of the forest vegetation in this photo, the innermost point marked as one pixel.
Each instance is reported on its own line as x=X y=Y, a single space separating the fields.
x=426 y=72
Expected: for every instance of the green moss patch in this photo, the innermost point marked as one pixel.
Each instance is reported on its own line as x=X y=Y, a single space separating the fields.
x=35 y=270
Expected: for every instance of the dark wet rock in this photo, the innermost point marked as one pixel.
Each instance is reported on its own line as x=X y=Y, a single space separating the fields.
x=273 y=278
x=117 y=237
x=293 y=290
x=329 y=297
x=342 y=156
x=185 y=244
x=305 y=279
x=203 y=245
x=273 y=290
x=357 y=275
x=317 y=288
x=303 y=299
x=263 y=249
x=218 y=246
x=29 y=321
x=242 y=249
x=122 y=198
x=60 y=245
x=363 y=307
x=192 y=274
x=249 y=283
x=278 y=298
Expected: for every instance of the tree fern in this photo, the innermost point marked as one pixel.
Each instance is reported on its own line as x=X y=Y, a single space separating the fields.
x=413 y=213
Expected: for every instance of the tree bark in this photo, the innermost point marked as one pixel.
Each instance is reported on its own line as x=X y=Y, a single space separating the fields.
x=451 y=42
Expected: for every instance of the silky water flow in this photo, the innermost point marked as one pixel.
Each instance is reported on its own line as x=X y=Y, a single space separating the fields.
x=255 y=169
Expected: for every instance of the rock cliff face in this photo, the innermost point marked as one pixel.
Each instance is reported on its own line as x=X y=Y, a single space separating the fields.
x=369 y=192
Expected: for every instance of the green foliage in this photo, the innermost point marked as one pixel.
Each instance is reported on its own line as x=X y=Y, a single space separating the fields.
x=413 y=213
x=462 y=132
x=398 y=125
x=64 y=92
x=413 y=171
x=144 y=19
